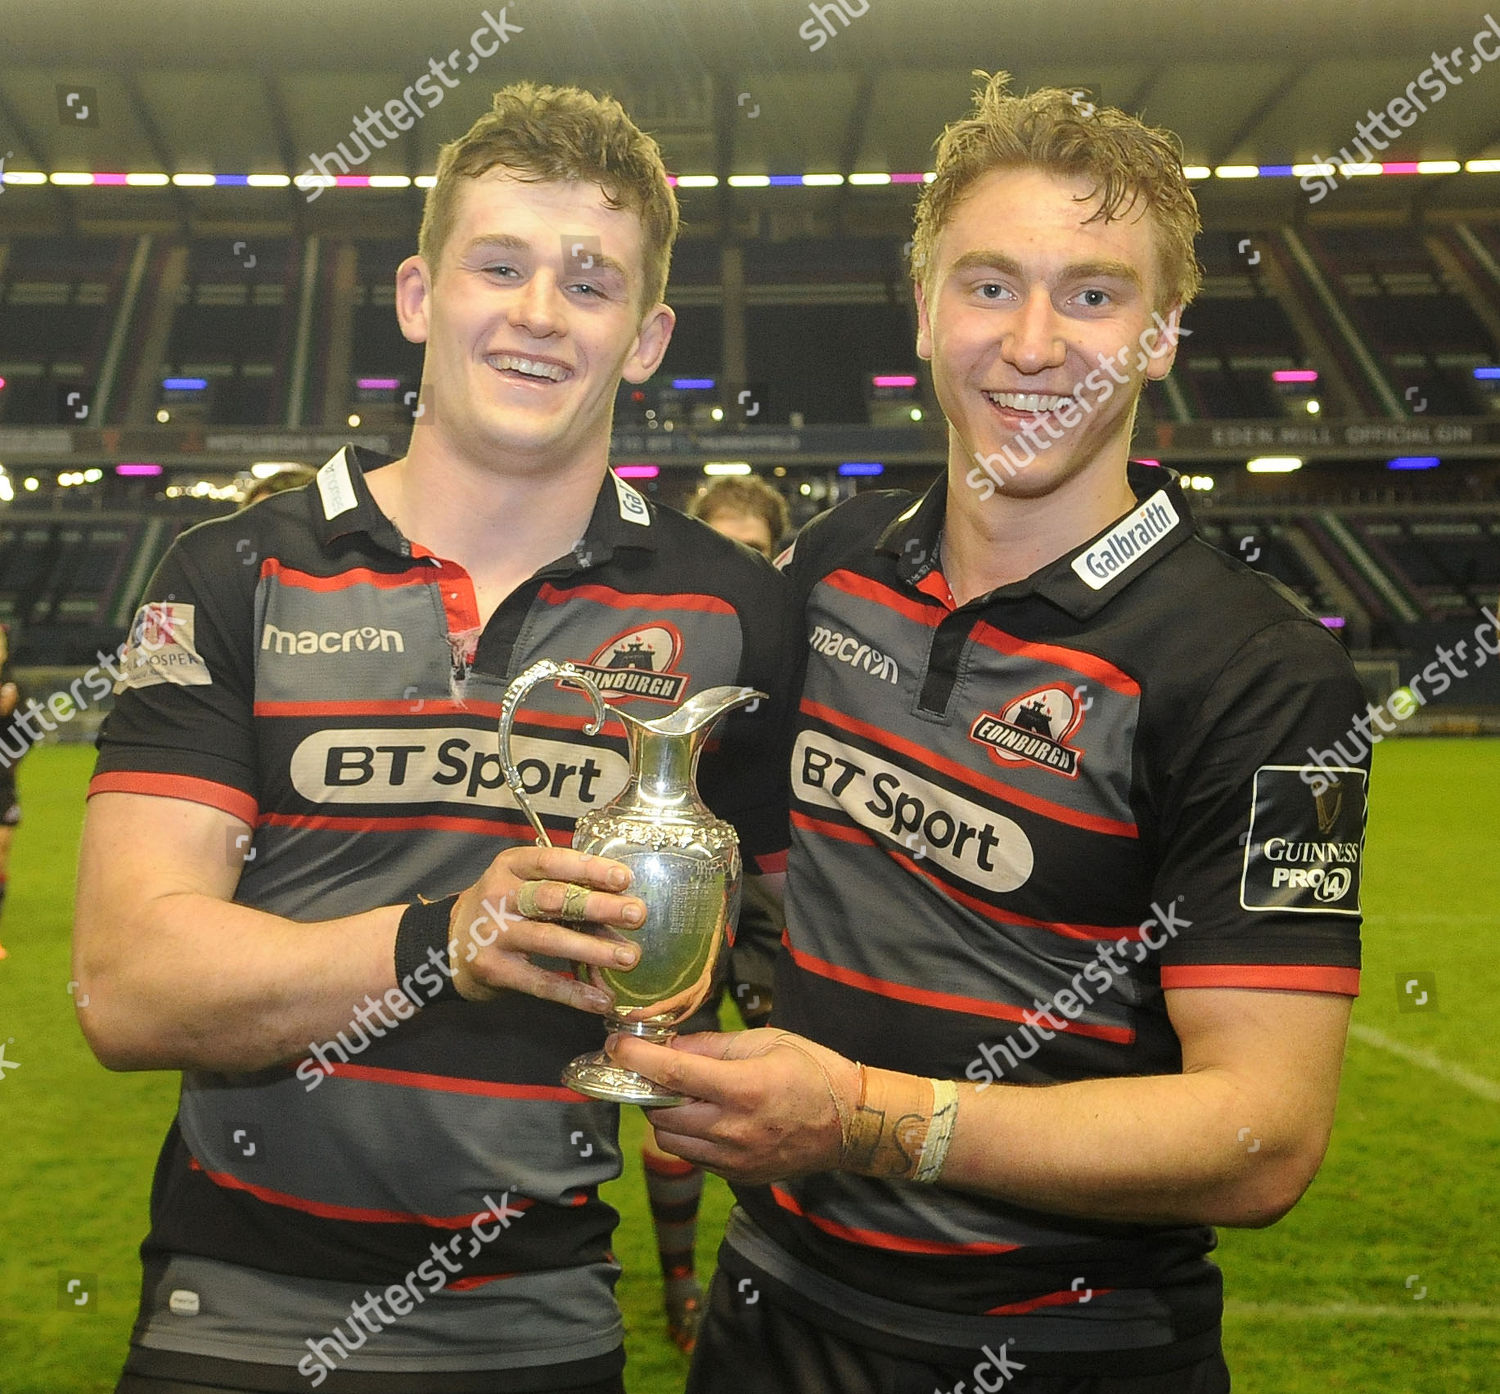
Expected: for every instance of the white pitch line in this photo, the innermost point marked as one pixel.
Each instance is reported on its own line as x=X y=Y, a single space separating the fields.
x=1290 y=1311
x=1418 y=1055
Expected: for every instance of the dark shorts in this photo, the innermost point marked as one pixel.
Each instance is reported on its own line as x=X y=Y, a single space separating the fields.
x=769 y=1348
x=172 y=1372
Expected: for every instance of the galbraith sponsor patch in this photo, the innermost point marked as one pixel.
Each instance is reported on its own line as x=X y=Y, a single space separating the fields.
x=1034 y=728
x=1304 y=851
x=639 y=663
x=1127 y=542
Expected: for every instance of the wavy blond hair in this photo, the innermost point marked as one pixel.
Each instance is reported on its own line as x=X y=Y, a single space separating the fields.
x=1051 y=130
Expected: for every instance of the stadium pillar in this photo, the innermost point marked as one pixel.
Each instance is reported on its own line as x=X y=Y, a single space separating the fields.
x=336 y=362
x=734 y=369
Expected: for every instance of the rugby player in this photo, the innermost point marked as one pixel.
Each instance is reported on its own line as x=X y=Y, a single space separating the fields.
x=303 y=882
x=1071 y=947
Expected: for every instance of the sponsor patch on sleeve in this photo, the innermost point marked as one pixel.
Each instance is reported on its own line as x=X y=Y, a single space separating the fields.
x=163 y=649
x=1304 y=851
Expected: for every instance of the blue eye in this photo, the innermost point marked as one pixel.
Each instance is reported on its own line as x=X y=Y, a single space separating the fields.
x=1100 y=300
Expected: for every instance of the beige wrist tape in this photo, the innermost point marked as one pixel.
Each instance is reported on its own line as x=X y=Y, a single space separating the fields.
x=902 y=1126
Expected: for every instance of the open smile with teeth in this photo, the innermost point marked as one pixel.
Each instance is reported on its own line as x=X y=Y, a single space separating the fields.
x=536 y=368
x=1027 y=401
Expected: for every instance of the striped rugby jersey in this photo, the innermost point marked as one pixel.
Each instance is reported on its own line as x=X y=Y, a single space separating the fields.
x=303 y=667
x=1014 y=823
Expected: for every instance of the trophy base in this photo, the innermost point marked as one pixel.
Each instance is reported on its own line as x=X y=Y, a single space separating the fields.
x=600 y=1078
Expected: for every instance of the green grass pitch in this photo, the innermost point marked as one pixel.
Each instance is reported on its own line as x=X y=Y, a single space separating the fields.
x=1385 y=1278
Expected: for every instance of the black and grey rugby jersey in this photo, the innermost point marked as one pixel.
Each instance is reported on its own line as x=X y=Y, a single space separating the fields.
x=1015 y=823
x=306 y=669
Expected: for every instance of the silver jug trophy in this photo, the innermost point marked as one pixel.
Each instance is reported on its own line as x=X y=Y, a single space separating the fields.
x=684 y=863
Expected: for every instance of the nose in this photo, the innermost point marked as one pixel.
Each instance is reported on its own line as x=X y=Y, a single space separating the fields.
x=1033 y=341
x=538 y=306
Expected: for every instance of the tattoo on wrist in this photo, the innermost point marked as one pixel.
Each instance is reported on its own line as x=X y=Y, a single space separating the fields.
x=901 y=1127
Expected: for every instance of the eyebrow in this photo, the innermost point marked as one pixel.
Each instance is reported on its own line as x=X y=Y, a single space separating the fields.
x=509 y=242
x=982 y=260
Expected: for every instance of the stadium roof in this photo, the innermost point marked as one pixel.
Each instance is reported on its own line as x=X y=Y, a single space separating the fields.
x=744 y=88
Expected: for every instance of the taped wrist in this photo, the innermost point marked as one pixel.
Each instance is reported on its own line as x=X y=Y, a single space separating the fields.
x=902 y=1126
x=422 y=938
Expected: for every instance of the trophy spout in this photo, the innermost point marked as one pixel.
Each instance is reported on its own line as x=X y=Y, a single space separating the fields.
x=664 y=753
x=702 y=710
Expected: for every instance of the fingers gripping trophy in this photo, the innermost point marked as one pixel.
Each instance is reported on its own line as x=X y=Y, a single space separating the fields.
x=684 y=863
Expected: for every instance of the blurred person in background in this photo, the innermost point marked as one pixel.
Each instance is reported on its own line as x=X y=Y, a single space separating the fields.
x=745 y=508
x=292 y=477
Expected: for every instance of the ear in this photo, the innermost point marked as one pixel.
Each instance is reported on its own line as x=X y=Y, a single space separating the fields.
x=413 y=294
x=924 y=324
x=1164 y=351
x=650 y=345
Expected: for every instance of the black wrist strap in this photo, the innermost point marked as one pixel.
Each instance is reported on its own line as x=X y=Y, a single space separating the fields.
x=424 y=928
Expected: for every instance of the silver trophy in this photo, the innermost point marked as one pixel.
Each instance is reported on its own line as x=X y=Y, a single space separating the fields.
x=684 y=863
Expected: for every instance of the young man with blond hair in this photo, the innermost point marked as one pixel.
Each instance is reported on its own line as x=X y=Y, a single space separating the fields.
x=304 y=883
x=1070 y=945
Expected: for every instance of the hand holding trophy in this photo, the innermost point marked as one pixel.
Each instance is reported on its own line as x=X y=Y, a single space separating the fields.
x=684 y=863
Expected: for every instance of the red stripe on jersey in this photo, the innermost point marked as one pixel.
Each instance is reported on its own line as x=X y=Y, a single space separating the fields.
x=345 y=580
x=950 y=1001
x=464 y=1284
x=447 y=1084
x=1284 y=977
x=624 y=600
x=771 y=863
x=235 y=802
x=1045 y=808
x=878 y=1239
x=430 y=822
x=482 y=712
x=863 y=588
x=1090 y=665
x=993 y=912
x=326 y=1210
x=1068 y=1298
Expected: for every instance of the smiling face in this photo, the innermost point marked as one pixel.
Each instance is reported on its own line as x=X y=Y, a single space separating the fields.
x=531 y=318
x=1024 y=304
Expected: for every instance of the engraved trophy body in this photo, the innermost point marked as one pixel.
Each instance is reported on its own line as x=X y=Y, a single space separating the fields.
x=684 y=863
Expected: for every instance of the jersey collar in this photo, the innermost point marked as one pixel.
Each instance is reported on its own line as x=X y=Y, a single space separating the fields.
x=1083 y=581
x=343 y=506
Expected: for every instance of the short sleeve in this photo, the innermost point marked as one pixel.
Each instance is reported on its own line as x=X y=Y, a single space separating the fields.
x=744 y=779
x=182 y=722
x=1263 y=826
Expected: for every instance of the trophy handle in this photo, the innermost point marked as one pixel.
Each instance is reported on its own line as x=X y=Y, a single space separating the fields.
x=564 y=674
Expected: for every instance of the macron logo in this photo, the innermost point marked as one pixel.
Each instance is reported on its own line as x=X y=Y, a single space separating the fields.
x=1127 y=542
